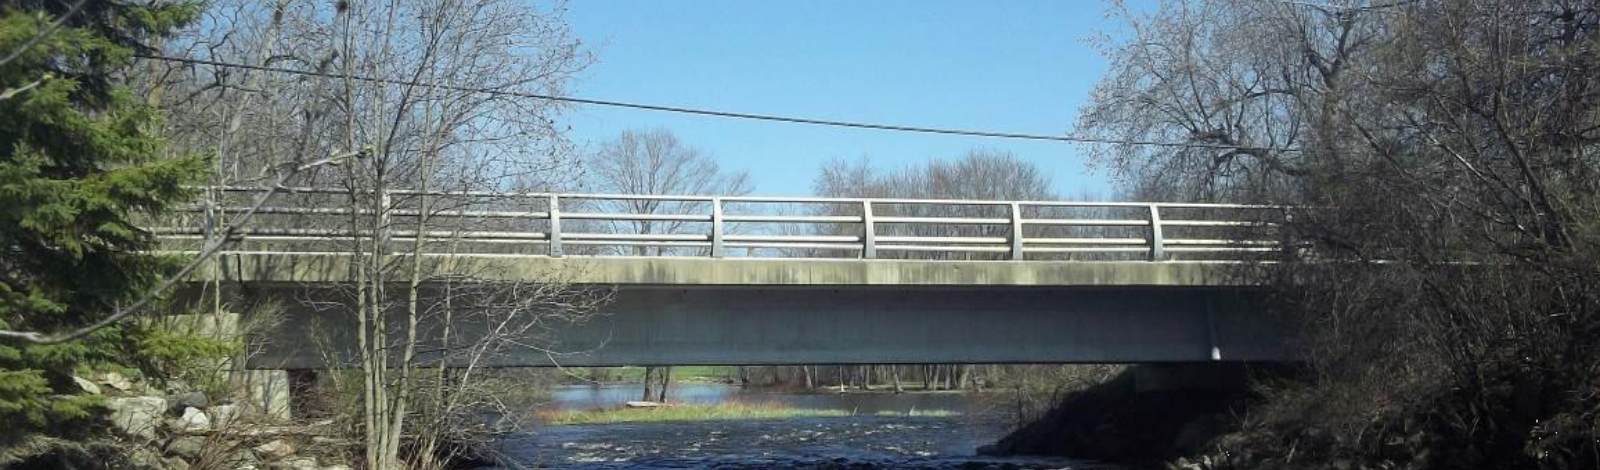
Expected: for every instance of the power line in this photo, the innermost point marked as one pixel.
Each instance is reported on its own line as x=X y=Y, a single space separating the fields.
x=1344 y=8
x=44 y=33
x=710 y=112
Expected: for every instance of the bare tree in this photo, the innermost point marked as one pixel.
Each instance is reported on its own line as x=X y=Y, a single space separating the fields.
x=979 y=174
x=655 y=162
x=1422 y=136
x=431 y=141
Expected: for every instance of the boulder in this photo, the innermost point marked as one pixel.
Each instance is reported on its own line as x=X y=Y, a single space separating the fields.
x=337 y=467
x=298 y=463
x=116 y=381
x=187 y=446
x=144 y=458
x=87 y=385
x=222 y=415
x=188 y=400
x=274 y=450
x=241 y=459
x=137 y=416
x=193 y=421
x=174 y=463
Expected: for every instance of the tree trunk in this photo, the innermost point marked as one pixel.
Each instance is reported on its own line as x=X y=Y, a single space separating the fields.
x=666 y=379
x=894 y=374
x=806 y=371
x=649 y=372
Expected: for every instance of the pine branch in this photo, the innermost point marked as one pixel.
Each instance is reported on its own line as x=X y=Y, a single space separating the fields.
x=212 y=247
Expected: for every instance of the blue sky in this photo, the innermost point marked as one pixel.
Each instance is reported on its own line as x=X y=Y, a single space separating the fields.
x=1015 y=66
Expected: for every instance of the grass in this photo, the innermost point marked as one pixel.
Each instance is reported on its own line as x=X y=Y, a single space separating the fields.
x=680 y=374
x=686 y=413
x=920 y=413
x=724 y=411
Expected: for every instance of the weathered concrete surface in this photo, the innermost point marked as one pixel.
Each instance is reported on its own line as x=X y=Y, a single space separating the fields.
x=682 y=311
x=728 y=325
x=335 y=267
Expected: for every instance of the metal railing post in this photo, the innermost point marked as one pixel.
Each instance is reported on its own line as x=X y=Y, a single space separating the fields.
x=210 y=219
x=869 y=235
x=385 y=229
x=1016 y=231
x=1291 y=250
x=716 y=227
x=555 y=226
x=1157 y=244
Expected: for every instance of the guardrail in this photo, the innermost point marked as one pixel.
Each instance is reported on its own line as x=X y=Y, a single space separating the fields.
x=722 y=226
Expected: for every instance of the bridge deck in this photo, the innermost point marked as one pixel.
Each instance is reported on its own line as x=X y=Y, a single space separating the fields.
x=316 y=268
x=758 y=280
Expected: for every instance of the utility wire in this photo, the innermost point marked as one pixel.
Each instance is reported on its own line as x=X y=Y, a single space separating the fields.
x=710 y=112
x=44 y=33
x=1343 y=8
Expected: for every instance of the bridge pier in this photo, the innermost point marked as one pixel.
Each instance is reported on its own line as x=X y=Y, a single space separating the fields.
x=269 y=392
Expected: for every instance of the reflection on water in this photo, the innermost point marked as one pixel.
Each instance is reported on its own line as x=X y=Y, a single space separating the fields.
x=585 y=397
x=863 y=441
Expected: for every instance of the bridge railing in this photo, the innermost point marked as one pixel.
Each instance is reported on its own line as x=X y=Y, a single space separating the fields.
x=557 y=224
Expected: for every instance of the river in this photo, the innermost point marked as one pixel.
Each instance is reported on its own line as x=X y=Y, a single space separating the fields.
x=878 y=434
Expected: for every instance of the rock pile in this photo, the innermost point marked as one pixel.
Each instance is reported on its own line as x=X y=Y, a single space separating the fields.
x=180 y=430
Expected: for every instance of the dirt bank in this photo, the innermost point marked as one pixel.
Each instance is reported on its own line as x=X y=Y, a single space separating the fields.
x=1119 y=421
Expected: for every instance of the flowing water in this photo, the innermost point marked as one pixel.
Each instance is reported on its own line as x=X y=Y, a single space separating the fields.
x=878 y=434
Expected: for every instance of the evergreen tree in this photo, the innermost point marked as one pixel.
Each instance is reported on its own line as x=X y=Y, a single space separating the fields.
x=79 y=162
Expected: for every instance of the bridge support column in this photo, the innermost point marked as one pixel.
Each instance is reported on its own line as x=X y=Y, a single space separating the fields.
x=268 y=392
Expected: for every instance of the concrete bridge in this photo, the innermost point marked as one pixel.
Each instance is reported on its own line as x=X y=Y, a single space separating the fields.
x=732 y=280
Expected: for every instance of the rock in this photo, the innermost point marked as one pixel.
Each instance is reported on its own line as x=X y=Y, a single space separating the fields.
x=193 y=421
x=174 y=463
x=143 y=458
x=188 y=400
x=643 y=404
x=242 y=459
x=274 y=450
x=222 y=415
x=137 y=416
x=176 y=386
x=337 y=467
x=116 y=381
x=298 y=463
x=87 y=385
x=187 y=446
